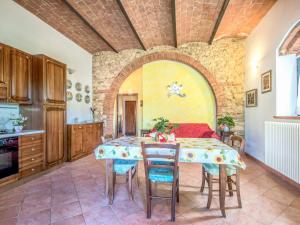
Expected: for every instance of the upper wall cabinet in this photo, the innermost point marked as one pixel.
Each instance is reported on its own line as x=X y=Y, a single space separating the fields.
x=4 y=73
x=21 y=77
x=54 y=79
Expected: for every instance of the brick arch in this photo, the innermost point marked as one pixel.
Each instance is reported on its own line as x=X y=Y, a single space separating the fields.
x=111 y=94
x=291 y=42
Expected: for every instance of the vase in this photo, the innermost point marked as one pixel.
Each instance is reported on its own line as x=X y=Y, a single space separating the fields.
x=226 y=129
x=18 y=129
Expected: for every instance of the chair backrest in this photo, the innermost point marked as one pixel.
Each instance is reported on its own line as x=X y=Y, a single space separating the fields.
x=237 y=139
x=106 y=138
x=161 y=152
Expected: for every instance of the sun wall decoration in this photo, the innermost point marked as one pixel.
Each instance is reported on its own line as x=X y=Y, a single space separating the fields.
x=175 y=89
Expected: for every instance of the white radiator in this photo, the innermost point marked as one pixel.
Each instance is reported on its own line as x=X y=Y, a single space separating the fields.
x=282 y=148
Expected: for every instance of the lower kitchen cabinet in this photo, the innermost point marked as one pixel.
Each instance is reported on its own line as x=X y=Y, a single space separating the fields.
x=83 y=139
x=55 y=128
x=31 y=154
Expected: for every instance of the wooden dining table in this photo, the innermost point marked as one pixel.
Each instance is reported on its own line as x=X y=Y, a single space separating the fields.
x=192 y=150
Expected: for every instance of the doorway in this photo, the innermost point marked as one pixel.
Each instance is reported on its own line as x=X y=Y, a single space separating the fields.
x=130 y=118
x=127 y=114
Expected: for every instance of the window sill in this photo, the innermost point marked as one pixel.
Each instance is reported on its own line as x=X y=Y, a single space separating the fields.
x=287 y=117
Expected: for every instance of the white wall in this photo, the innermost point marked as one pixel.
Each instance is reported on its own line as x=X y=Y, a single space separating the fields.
x=261 y=48
x=23 y=30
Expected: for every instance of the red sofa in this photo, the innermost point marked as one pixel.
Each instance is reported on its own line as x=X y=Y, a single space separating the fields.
x=195 y=130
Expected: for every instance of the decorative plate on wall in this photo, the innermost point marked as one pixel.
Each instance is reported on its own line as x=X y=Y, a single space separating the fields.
x=69 y=84
x=87 y=89
x=78 y=86
x=87 y=99
x=69 y=96
x=79 y=97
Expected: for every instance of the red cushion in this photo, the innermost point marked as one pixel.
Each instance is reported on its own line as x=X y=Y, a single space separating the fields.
x=193 y=130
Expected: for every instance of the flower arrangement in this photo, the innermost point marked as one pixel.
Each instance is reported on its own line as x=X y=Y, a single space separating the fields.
x=18 y=122
x=226 y=123
x=164 y=130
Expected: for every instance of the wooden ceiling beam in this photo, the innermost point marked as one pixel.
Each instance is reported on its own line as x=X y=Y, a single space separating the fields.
x=219 y=19
x=174 y=22
x=130 y=24
x=90 y=26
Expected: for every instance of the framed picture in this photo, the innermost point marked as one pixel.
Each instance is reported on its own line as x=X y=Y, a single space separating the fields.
x=266 y=81
x=251 y=98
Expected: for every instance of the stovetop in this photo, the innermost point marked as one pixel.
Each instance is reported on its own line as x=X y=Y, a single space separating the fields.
x=4 y=131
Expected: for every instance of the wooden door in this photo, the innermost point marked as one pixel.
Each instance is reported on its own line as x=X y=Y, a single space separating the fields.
x=55 y=81
x=77 y=140
x=55 y=134
x=21 y=77
x=130 y=117
x=4 y=73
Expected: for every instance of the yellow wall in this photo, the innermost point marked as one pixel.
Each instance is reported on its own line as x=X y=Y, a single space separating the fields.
x=151 y=81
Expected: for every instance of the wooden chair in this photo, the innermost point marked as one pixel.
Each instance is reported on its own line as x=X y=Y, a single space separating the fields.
x=210 y=174
x=234 y=139
x=161 y=167
x=122 y=167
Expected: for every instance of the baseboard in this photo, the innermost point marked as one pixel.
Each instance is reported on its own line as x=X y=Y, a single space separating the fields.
x=275 y=172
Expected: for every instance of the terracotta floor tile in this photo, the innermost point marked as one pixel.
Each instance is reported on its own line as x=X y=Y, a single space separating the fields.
x=125 y=208
x=9 y=213
x=75 y=220
x=101 y=215
x=296 y=203
x=265 y=210
x=281 y=195
x=41 y=217
x=140 y=218
x=290 y=215
x=12 y=221
x=65 y=211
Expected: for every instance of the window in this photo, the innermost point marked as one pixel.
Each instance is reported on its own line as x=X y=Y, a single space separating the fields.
x=298 y=80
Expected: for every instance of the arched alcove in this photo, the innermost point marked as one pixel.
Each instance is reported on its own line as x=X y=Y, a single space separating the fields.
x=111 y=94
x=150 y=86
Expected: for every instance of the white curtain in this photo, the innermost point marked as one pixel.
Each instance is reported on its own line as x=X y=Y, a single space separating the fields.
x=298 y=97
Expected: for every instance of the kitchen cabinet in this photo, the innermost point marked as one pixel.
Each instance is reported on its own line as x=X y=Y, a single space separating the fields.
x=31 y=154
x=55 y=81
x=21 y=77
x=49 y=94
x=52 y=76
x=83 y=139
x=55 y=128
x=4 y=73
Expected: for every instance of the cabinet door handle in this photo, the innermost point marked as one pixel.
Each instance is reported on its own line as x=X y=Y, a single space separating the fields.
x=32 y=138
x=32 y=169
x=33 y=149
x=32 y=159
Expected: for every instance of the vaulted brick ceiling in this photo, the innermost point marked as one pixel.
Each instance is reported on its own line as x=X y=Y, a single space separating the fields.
x=115 y=25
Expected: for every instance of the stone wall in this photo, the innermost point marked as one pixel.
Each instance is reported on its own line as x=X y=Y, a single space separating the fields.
x=224 y=60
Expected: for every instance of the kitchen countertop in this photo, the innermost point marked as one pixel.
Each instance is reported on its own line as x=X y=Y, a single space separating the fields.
x=83 y=123
x=24 y=132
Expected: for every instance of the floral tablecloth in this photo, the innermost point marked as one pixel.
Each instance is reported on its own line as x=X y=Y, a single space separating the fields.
x=197 y=150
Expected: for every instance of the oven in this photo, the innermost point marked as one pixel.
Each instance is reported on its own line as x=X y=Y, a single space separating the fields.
x=9 y=161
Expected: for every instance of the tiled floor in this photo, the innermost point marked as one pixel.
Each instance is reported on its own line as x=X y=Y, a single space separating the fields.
x=74 y=194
